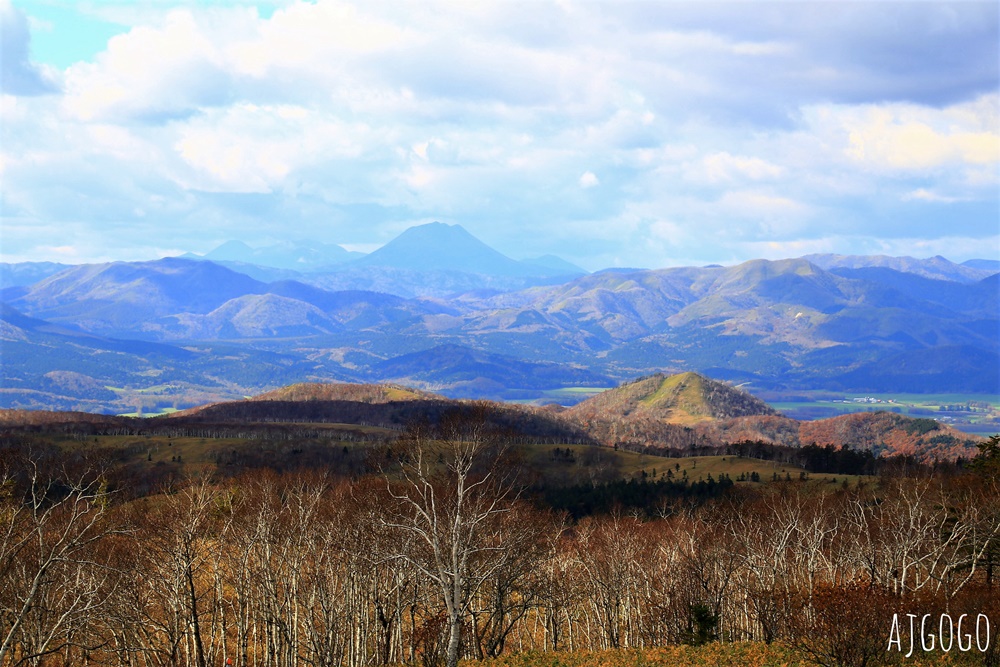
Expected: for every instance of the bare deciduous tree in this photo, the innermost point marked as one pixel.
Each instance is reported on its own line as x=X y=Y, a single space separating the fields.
x=451 y=491
x=48 y=529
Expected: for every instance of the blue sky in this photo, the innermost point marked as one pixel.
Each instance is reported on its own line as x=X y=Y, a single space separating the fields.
x=647 y=134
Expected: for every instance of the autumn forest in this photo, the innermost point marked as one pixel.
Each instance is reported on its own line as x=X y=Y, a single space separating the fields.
x=440 y=546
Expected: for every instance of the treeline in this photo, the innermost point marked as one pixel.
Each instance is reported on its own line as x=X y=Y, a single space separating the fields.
x=443 y=556
x=517 y=421
x=643 y=497
x=824 y=459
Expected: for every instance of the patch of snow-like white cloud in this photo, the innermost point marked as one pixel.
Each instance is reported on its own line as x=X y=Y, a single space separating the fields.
x=589 y=180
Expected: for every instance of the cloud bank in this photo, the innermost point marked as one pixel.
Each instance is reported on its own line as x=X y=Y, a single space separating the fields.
x=636 y=133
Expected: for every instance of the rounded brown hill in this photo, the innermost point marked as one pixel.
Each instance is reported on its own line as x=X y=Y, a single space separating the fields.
x=310 y=392
x=686 y=398
x=362 y=393
x=891 y=434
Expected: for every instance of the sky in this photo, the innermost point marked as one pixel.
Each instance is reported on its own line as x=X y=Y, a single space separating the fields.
x=640 y=134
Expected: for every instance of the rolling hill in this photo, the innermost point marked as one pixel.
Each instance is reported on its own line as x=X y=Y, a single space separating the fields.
x=685 y=398
x=344 y=391
x=688 y=411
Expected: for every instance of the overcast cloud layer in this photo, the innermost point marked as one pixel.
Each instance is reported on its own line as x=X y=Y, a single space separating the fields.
x=612 y=134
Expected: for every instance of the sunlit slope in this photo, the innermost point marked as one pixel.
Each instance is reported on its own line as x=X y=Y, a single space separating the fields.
x=684 y=399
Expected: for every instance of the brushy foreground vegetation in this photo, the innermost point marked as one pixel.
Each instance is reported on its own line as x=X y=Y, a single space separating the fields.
x=443 y=554
x=716 y=654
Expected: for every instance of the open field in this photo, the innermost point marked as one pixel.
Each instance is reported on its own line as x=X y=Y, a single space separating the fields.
x=917 y=404
x=972 y=413
x=561 y=465
x=569 y=395
x=157 y=413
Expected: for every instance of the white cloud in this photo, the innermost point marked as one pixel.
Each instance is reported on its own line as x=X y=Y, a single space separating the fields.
x=312 y=37
x=708 y=132
x=250 y=148
x=40 y=25
x=723 y=167
x=922 y=194
x=750 y=203
x=152 y=72
x=762 y=48
x=910 y=138
x=784 y=249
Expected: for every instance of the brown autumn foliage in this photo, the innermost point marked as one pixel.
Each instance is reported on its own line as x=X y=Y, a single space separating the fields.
x=772 y=429
x=21 y=418
x=308 y=568
x=891 y=434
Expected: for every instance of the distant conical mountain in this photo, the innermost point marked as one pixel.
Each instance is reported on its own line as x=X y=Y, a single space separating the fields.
x=437 y=246
x=233 y=251
x=686 y=398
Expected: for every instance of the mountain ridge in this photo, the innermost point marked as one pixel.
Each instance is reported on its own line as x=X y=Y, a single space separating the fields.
x=771 y=323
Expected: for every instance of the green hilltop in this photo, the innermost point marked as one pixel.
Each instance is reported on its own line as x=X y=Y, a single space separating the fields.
x=685 y=398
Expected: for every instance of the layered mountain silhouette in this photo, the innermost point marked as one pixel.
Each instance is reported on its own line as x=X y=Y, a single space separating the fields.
x=293 y=256
x=430 y=260
x=466 y=371
x=936 y=267
x=478 y=323
x=27 y=273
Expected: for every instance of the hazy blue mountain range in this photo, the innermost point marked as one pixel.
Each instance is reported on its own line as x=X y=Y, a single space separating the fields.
x=933 y=267
x=180 y=327
x=991 y=265
x=27 y=273
x=431 y=260
x=288 y=255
